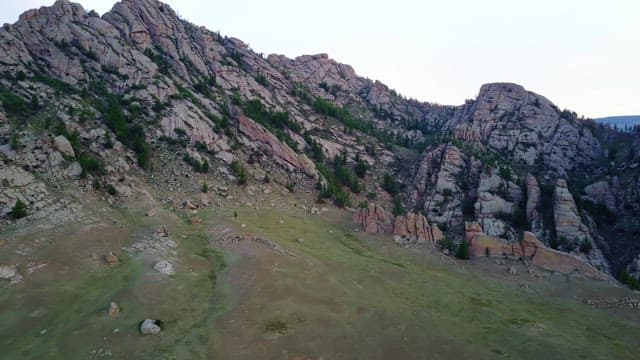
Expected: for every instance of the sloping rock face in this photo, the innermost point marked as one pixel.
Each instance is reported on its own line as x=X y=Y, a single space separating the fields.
x=271 y=146
x=142 y=49
x=533 y=202
x=600 y=193
x=565 y=214
x=571 y=232
x=532 y=249
x=437 y=184
x=528 y=127
x=188 y=88
x=406 y=229
x=338 y=82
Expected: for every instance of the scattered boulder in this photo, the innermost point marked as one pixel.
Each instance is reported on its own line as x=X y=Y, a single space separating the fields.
x=75 y=169
x=190 y=205
x=150 y=213
x=150 y=327
x=64 y=146
x=111 y=259
x=163 y=231
x=114 y=309
x=10 y=272
x=204 y=200
x=164 y=267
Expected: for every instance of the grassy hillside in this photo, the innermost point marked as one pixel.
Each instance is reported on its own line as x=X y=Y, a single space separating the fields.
x=337 y=295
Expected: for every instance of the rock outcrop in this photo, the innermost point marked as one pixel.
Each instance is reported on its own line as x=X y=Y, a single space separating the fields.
x=600 y=193
x=565 y=214
x=186 y=91
x=412 y=228
x=533 y=202
x=406 y=229
x=373 y=219
x=532 y=249
x=529 y=127
x=437 y=184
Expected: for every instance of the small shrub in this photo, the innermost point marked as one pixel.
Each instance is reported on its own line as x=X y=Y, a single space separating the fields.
x=629 y=280
x=291 y=186
x=90 y=165
x=390 y=185
x=108 y=142
x=446 y=243
x=585 y=246
x=239 y=172
x=341 y=198
x=15 y=142
x=361 y=169
x=205 y=188
x=262 y=80
x=505 y=173
x=463 y=250
x=398 y=209
x=275 y=326
x=519 y=218
x=111 y=190
x=372 y=195
x=19 y=210
x=504 y=216
x=468 y=208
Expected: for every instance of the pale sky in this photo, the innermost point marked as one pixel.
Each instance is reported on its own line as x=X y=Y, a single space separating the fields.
x=581 y=54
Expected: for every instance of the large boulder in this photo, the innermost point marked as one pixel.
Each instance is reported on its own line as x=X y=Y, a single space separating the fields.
x=164 y=267
x=64 y=146
x=150 y=327
x=600 y=193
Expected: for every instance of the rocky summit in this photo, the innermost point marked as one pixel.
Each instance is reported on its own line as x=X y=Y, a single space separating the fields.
x=107 y=118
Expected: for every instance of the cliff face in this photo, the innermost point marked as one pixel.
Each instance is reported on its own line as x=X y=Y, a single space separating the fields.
x=527 y=127
x=126 y=89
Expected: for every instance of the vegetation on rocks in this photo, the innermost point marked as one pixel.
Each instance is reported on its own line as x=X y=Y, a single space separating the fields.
x=19 y=210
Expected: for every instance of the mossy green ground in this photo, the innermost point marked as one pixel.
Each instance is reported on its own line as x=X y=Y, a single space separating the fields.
x=342 y=296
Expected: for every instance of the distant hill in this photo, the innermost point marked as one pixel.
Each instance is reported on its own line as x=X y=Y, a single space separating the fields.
x=621 y=122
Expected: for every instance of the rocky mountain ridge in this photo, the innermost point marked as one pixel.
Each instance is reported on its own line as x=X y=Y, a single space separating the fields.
x=108 y=102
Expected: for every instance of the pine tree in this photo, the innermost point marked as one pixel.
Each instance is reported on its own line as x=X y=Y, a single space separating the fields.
x=463 y=250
